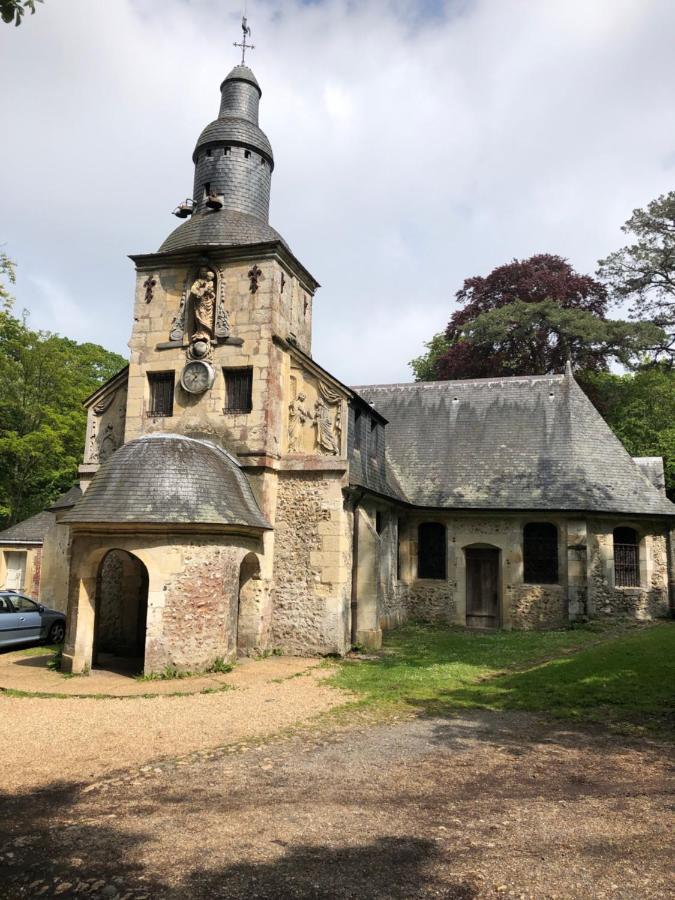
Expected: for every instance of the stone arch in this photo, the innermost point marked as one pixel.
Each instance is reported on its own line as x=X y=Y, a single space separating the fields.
x=121 y=609
x=249 y=610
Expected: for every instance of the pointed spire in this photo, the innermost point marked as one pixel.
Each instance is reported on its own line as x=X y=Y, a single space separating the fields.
x=568 y=369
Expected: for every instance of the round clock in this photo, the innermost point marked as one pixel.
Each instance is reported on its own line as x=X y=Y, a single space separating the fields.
x=197 y=377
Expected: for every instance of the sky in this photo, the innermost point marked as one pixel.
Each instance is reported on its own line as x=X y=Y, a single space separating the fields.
x=416 y=144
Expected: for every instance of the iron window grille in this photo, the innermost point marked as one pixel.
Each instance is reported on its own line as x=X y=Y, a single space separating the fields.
x=626 y=558
x=431 y=551
x=238 y=390
x=161 y=393
x=540 y=553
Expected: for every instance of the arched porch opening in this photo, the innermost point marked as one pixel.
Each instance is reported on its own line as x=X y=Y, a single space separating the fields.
x=121 y=613
x=249 y=607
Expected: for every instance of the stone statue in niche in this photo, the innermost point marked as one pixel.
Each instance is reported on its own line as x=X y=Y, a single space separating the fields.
x=325 y=435
x=298 y=415
x=203 y=301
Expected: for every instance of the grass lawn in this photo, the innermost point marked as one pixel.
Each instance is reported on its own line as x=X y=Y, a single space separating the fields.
x=624 y=677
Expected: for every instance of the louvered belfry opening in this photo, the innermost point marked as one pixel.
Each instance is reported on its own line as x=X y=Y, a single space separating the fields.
x=161 y=393
x=626 y=558
x=540 y=553
x=431 y=551
x=239 y=390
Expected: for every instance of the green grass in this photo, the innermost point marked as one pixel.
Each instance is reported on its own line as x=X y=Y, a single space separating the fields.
x=40 y=650
x=622 y=677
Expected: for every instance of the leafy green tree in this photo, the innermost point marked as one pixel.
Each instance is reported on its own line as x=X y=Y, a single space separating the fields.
x=644 y=271
x=424 y=366
x=14 y=10
x=640 y=409
x=7 y=279
x=529 y=317
x=43 y=380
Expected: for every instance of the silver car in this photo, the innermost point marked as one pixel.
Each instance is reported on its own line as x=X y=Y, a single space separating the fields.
x=22 y=619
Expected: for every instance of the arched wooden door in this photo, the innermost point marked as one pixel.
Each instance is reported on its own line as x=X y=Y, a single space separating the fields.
x=482 y=587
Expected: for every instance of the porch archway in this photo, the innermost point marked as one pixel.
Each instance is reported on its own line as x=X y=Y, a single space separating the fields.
x=121 y=612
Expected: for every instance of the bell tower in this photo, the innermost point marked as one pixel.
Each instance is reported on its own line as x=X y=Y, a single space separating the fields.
x=221 y=295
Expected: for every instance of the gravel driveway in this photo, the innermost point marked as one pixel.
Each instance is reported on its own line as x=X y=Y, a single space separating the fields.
x=68 y=739
x=487 y=805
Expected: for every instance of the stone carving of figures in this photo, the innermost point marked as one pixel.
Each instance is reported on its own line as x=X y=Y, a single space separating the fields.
x=298 y=415
x=325 y=436
x=203 y=298
x=108 y=443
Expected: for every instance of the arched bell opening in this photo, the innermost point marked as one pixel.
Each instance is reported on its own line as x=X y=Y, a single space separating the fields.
x=121 y=613
x=249 y=611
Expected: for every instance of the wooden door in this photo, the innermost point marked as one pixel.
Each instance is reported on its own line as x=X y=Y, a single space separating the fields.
x=482 y=588
x=16 y=570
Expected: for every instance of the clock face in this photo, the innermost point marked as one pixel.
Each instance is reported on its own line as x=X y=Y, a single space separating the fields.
x=197 y=377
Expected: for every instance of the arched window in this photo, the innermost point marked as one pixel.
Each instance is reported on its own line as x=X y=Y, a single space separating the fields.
x=540 y=553
x=626 y=558
x=431 y=550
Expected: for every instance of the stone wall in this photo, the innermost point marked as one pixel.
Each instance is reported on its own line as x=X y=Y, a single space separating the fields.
x=55 y=568
x=424 y=601
x=311 y=565
x=538 y=606
x=650 y=600
x=199 y=619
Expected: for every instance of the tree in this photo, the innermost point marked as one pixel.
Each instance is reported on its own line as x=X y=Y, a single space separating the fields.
x=644 y=271
x=640 y=409
x=43 y=380
x=8 y=278
x=424 y=366
x=14 y=10
x=529 y=317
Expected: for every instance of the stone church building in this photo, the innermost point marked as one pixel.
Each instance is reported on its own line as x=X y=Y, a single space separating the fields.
x=238 y=498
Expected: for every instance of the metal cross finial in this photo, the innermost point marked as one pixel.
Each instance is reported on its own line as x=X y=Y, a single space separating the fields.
x=246 y=32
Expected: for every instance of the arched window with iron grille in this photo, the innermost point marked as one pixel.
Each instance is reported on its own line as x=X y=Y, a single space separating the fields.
x=431 y=550
x=540 y=553
x=626 y=558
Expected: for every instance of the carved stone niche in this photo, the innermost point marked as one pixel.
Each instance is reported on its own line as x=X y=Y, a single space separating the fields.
x=314 y=416
x=106 y=419
x=201 y=319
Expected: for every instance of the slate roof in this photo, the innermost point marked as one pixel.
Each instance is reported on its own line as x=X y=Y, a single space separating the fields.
x=30 y=531
x=235 y=130
x=169 y=479
x=242 y=73
x=220 y=228
x=67 y=500
x=509 y=443
x=652 y=467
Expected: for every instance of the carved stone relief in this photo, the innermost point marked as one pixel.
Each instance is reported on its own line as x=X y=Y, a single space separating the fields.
x=314 y=416
x=105 y=427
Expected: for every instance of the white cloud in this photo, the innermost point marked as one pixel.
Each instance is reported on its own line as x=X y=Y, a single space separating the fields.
x=416 y=144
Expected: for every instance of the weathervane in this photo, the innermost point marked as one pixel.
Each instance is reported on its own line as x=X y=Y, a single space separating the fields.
x=246 y=32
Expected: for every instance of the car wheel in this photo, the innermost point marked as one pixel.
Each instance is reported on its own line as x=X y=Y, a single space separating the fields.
x=57 y=633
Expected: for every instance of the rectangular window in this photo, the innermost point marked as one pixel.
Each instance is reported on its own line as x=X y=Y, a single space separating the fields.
x=374 y=439
x=161 y=393
x=207 y=189
x=431 y=550
x=238 y=390
x=357 y=429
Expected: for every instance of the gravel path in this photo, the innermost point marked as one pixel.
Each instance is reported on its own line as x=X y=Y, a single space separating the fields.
x=54 y=740
x=483 y=806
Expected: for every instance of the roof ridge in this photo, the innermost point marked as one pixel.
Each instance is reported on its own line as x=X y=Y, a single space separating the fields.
x=532 y=379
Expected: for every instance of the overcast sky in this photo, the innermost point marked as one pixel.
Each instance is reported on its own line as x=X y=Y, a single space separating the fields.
x=416 y=144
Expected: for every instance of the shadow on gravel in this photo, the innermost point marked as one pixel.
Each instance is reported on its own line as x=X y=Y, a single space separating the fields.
x=55 y=843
